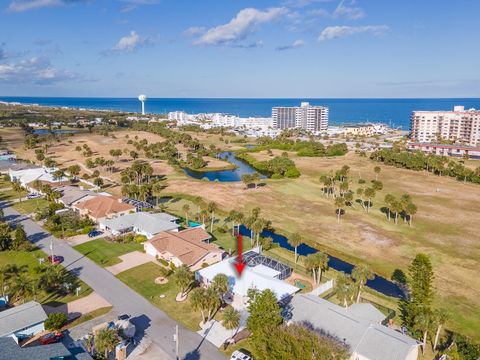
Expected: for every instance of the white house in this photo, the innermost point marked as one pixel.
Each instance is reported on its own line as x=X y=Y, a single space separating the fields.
x=260 y=273
x=357 y=326
x=27 y=176
x=23 y=321
x=143 y=223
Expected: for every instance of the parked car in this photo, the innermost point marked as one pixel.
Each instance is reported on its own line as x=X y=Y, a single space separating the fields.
x=94 y=233
x=33 y=196
x=240 y=355
x=55 y=259
x=50 y=338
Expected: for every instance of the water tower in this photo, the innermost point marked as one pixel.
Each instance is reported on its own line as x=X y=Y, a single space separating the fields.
x=142 y=99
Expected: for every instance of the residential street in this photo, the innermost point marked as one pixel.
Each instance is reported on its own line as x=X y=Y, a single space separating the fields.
x=148 y=318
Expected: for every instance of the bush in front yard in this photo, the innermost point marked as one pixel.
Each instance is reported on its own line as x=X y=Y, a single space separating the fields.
x=140 y=239
x=55 y=321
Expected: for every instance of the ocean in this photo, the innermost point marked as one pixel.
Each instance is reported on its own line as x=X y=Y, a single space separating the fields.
x=395 y=112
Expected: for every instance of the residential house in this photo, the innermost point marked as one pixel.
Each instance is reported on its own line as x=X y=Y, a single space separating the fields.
x=143 y=223
x=357 y=327
x=26 y=177
x=103 y=207
x=6 y=155
x=72 y=195
x=23 y=321
x=10 y=350
x=187 y=247
x=260 y=273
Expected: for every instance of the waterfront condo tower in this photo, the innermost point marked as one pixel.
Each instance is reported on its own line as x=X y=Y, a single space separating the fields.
x=305 y=116
x=459 y=125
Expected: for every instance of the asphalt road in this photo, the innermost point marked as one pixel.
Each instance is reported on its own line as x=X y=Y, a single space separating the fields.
x=147 y=318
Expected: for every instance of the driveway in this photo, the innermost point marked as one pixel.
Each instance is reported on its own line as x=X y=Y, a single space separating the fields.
x=83 y=238
x=79 y=307
x=130 y=260
x=148 y=319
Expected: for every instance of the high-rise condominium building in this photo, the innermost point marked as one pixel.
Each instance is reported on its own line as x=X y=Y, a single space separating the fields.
x=305 y=116
x=458 y=125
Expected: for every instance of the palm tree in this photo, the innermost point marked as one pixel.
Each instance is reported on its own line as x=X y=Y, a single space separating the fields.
x=212 y=207
x=220 y=285
x=389 y=200
x=310 y=265
x=339 y=204
x=258 y=226
x=197 y=299
x=396 y=207
x=421 y=324
x=18 y=188
x=247 y=180
x=370 y=194
x=441 y=316
x=106 y=340
x=295 y=240
x=212 y=301
x=321 y=262
x=186 y=209
x=255 y=178
x=230 y=318
x=183 y=278
x=23 y=287
x=410 y=210
x=345 y=288
x=360 y=193
x=377 y=170
x=361 y=274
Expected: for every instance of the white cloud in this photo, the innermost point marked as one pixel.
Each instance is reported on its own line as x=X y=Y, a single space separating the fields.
x=335 y=32
x=348 y=11
x=240 y=26
x=34 y=70
x=194 y=30
x=25 y=5
x=131 y=42
x=296 y=44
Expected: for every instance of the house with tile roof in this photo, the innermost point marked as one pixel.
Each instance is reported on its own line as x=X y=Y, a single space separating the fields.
x=103 y=207
x=189 y=247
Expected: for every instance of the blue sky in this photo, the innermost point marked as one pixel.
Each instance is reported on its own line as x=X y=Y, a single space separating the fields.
x=240 y=48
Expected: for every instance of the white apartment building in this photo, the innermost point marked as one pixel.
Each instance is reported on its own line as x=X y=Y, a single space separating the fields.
x=305 y=116
x=179 y=116
x=458 y=125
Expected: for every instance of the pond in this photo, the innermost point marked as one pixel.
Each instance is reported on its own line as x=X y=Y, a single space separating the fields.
x=57 y=131
x=379 y=283
x=225 y=175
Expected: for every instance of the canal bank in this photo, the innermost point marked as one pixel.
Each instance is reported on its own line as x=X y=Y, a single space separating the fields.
x=379 y=283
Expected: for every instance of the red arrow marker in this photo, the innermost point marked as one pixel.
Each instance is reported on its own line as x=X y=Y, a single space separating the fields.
x=240 y=264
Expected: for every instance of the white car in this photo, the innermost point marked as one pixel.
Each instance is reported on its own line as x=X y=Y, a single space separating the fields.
x=33 y=196
x=239 y=355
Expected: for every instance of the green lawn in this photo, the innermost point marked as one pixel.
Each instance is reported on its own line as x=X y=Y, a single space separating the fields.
x=11 y=195
x=229 y=243
x=30 y=206
x=30 y=259
x=142 y=280
x=88 y=316
x=106 y=253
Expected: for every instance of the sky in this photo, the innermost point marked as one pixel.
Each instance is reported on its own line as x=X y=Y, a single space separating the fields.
x=240 y=48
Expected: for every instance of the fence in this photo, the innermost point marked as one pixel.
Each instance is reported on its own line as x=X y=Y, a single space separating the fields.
x=322 y=288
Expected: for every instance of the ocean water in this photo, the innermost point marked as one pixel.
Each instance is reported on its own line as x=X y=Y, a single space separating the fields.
x=395 y=112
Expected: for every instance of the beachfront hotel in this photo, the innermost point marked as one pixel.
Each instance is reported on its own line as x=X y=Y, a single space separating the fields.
x=305 y=116
x=458 y=125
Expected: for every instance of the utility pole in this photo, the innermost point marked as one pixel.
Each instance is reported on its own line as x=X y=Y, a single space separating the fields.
x=175 y=338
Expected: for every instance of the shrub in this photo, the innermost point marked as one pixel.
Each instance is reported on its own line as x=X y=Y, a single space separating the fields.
x=163 y=262
x=55 y=321
x=172 y=266
x=87 y=229
x=140 y=238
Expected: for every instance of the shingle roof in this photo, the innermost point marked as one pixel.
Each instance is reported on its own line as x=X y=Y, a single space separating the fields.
x=20 y=317
x=144 y=221
x=367 y=311
x=71 y=194
x=195 y=234
x=9 y=350
x=185 y=245
x=370 y=340
x=102 y=206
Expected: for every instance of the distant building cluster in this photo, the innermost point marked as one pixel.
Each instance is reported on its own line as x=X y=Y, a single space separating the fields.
x=307 y=117
x=459 y=125
x=251 y=126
